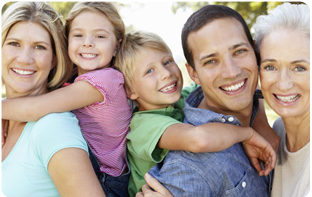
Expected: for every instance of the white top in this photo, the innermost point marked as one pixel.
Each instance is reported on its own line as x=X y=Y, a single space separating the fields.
x=292 y=170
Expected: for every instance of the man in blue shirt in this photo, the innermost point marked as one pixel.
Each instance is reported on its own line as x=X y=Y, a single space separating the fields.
x=219 y=50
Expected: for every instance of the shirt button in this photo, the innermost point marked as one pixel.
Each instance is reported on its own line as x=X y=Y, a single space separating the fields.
x=244 y=184
x=231 y=119
x=222 y=119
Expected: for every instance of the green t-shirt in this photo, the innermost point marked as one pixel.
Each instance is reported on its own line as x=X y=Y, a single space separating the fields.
x=146 y=128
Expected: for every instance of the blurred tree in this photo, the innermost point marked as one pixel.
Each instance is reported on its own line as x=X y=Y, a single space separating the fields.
x=62 y=8
x=249 y=10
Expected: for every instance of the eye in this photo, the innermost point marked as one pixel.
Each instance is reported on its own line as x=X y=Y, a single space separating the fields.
x=240 y=51
x=269 y=68
x=16 y=44
x=77 y=35
x=100 y=36
x=149 y=71
x=300 y=69
x=40 y=47
x=167 y=62
x=210 y=62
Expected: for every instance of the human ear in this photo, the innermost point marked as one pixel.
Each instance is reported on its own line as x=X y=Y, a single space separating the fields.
x=131 y=94
x=54 y=62
x=192 y=73
x=117 y=47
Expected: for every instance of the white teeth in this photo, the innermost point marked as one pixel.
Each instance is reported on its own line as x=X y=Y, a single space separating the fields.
x=288 y=98
x=234 y=87
x=23 y=72
x=88 y=55
x=167 y=88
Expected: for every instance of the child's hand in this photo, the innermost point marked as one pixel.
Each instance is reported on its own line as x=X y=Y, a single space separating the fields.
x=257 y=148
x=4 y=130
x=151 y=182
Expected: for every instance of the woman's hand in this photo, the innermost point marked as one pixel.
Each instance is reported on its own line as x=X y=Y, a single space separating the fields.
x=153 y=184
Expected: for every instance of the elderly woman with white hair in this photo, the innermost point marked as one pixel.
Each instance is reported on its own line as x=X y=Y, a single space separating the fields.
x=283 y=40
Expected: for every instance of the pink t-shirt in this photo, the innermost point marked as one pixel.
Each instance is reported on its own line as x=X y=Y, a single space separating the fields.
x=106 y=124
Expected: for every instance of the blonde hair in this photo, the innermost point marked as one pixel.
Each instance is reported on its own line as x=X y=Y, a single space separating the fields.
x=131 y=46
x=44 y=15
x=106 y=8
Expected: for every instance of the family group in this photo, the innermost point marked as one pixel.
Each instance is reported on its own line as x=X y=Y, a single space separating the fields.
x=91 y=110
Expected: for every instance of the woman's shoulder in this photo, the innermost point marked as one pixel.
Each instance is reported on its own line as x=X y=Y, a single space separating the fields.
x=57 y=124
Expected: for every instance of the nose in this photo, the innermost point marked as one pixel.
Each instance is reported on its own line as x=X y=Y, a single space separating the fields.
x=284 y=80
x=230 y=68
x=25 y=56
x=164 y=72
x=88 y=42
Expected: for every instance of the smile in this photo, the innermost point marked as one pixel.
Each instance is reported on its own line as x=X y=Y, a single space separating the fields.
x=233 y=87
x=168 y=88
x=288 y=99
x=88 y=55
x=23 y=72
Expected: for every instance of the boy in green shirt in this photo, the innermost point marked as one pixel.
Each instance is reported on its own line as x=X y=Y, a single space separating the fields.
x=154 y=81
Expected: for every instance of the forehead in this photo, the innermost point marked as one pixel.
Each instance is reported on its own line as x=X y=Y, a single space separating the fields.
x=29 y=29
x=92 y=20
x=217 y=35
x=276 y=45
x=147 y=55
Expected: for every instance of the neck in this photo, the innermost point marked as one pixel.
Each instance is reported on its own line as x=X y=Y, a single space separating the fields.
x=243 y=115
x=297 y=132
x=10 y=93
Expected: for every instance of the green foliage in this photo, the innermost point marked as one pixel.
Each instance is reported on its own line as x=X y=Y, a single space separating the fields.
x=249 y=10
x=62 y=8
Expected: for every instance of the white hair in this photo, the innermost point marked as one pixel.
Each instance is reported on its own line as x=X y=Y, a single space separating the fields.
x=285 y=16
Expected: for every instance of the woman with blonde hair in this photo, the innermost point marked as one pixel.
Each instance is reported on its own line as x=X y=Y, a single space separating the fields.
x=48 y=157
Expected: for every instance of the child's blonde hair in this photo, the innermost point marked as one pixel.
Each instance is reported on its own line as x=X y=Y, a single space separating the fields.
x=106 y=8
x=131 y=46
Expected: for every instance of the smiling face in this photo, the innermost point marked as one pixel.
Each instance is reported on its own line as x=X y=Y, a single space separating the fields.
x=27 y=59
x=91 y=41
x=157 y=80
x=285 y=72
x=225 y=66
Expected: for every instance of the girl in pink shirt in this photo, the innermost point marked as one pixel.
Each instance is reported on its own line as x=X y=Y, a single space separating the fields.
x=97 y=97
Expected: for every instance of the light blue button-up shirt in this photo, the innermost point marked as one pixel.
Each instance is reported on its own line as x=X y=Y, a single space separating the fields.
x=225 y=173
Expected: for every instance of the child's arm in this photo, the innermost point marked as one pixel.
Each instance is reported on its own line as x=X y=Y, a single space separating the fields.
x=213 y=137
x=74 y=96
x=262 y=126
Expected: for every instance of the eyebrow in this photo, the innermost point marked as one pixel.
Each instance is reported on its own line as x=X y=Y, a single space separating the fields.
x=239 y=45
x=268 y=60
x=207 y=56
x=230 y=48
x=11 y=39
x=293 y=62
x=96 y=30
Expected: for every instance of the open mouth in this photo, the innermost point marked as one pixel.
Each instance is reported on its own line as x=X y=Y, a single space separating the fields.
x=288 y=99
x=234 y=87
x=168 y=88
x=23 y=72
x=88 y=55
